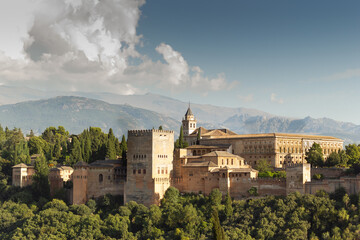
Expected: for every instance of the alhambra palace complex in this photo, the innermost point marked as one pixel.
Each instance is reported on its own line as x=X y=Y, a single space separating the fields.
x=219 y=159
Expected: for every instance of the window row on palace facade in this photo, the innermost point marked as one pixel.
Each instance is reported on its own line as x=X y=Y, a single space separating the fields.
x=298 y=150
x=139 y=171
x=227 y=162
x=259 y=149
x=290 y=161
x=162 y=170
x=139 y=156
x=162 y=156
x=192 y=125
x=289 y=150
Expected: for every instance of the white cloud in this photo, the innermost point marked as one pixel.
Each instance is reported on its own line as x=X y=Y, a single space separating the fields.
x=275 y=99
x=85 y=45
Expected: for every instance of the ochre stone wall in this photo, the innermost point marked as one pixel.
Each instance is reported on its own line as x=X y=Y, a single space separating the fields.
x=328 y=172
x=278 y=149
x=149 y=165
x=80 y=186
x=102 y=181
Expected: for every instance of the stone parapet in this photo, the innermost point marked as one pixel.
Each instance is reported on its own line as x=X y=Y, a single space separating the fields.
x=147 y=132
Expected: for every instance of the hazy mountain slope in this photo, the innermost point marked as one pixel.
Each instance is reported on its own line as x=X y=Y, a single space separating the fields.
x=168 y=106
x=76 y=114
x=240 y=120
x=322 y=126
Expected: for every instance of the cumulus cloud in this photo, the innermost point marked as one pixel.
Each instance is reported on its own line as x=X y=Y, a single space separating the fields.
x=275 y=99
x=87 y=45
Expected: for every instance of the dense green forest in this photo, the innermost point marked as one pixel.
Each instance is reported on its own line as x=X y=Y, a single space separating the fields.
x=179 y=216
x=30 y=213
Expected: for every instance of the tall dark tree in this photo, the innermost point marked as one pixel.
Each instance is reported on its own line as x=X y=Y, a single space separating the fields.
x=198 y=137
x=123 y=148
x=218 y=231
x=180 y=142
x=76 y=155
x=40 y=178
x=315 y=156
x=333 y=160
x=353 y=153
x=228 y=206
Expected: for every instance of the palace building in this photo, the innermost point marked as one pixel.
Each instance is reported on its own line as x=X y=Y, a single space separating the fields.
x=279 y=149
x=216 y=158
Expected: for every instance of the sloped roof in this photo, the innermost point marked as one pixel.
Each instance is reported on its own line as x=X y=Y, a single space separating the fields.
x=290 y=135
x=212 y=132
x=21 y=165
x=81 y=164
x=200 y=164
x=235 y=170
x=200 y=146
x=189 y=112
x=219 y=154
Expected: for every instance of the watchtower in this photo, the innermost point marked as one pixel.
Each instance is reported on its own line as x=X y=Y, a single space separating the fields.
x=149 y=165
x=189 y=122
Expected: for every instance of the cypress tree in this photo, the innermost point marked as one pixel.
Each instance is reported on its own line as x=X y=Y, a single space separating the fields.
x=228 y=206
x=76 y=155
x=218 y=231
x=110 y=150
x=123 y=148
x=198 y=137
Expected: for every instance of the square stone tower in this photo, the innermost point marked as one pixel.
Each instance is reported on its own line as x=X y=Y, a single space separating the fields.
x=296 y=177
x=149 y=165
x=189 y=122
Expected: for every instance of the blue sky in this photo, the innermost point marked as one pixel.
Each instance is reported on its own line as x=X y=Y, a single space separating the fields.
x=293 y=58
x=304 y=53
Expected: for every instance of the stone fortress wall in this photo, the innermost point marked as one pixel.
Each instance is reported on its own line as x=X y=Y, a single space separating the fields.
x=222 y=159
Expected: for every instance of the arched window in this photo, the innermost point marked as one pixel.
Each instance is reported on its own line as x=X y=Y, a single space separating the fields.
x=101 y=178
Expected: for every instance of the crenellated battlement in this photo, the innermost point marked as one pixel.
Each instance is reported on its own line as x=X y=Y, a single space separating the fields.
x=147 y=132
x=294 y=165
x=267 y=180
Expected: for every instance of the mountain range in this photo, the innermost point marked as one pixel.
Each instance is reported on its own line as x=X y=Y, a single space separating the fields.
x=79 y=110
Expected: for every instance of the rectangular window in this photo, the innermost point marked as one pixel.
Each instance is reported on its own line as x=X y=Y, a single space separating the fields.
x=144 y=171
x=139 y=171
x=134 y=171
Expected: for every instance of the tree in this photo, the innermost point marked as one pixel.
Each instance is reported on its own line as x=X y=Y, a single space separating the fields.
x=180 y=142
x=160 y=127
x=315 y=156
x=263 y=166
x=75 y=155
x=218 y=231
x=353 y=153
x=40 y=178
x=215 y=197
x=333 y=160
x=110 y=146
x=123 y=148
x=228 y=206
x=198 y=137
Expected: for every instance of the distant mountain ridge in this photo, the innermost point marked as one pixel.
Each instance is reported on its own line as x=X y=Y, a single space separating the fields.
x=240 y=120
x=78 y=113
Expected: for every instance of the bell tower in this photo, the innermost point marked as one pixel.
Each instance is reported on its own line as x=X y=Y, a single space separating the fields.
x=189 y=122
